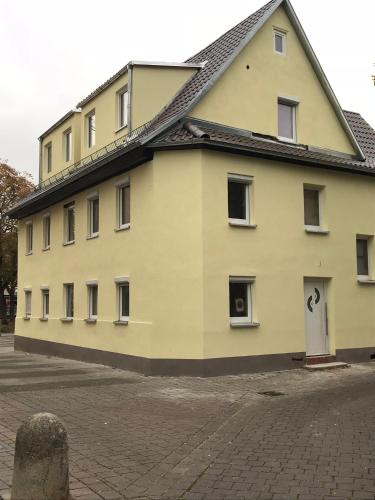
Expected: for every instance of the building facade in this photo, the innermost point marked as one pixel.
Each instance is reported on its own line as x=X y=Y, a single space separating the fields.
x=209 y=217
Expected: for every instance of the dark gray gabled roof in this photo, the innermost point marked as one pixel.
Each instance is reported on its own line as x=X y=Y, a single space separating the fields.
x=221 y=53
x=191 y=132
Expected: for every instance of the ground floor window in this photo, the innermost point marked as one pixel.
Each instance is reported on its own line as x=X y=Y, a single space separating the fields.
x=93 y=300
x=27 y=304
x=240 y=303
x=69 y=300
x=45 y=303
x=123 y=300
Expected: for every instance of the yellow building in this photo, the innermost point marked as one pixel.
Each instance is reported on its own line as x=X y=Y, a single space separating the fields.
x=209 y=217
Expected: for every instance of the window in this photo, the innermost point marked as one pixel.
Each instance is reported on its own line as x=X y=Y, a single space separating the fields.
x=27 y=304
x=362 y=257
x=312 y=207
x=287 y=121
x=29 y=238
x=239 y=199
x=48 y=156
x=69 y=222
x=46 y=232
x=123 y=205
x=45 y=303
x=93 y=213
x=90 y=129
x=123 y=300
x=92 y=289
x=240 y=305
x=279 y=38
x=122 y=108
x=68 y=145
x=69 y=300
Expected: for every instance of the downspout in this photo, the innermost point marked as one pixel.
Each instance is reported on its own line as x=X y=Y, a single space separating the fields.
x=130 y=93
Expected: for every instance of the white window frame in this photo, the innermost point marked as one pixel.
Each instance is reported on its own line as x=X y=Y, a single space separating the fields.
x=293 y=104
x=48 y=157
x=45 y=292
x=248 y=181
x=46 y=246
x=68 y=207
x=364 y=277
x=282 y=34
x=243 y=320
x=90 y=215
x=119 y=283
x=28 y=302
x=309 y=227
x=90 y=133
x=66 y=288
x=119 y=186
x=90 y=286
x=122 y=124
x=29 y=231
x=68 y=142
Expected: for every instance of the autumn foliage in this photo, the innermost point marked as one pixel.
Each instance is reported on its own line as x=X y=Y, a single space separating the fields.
x=13 y=186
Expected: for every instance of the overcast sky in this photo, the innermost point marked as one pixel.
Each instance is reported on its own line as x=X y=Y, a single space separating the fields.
x=53 y=54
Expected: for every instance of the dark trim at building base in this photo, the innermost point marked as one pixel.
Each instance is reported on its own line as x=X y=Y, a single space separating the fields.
x=164 y=367
x=183 y=367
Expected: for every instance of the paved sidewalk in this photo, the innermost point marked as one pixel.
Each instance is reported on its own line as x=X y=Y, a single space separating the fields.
x=168 y=438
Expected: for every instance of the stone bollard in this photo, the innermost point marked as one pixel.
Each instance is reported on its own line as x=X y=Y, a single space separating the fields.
x=41 y=470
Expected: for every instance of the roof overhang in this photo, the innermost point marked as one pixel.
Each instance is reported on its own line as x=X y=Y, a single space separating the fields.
x=121 y=161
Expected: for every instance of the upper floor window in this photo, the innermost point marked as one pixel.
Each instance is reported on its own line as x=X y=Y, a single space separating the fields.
x=279 y=40
x=287 y=120
x=123 y=205
x=48 y=156
x=69 y=223
x=90 y=126
x=122 y=108
x=68 y=145
x=46 y=232
x=93 y=216
x=312 y=207
x=239 y=199
x=29 y=238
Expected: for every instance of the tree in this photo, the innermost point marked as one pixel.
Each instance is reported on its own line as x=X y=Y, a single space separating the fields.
x=13 y=186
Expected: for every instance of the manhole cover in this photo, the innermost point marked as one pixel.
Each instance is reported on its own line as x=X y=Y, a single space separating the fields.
x=271 y=393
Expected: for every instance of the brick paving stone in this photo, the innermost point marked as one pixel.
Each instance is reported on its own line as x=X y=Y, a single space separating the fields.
x=198 y=439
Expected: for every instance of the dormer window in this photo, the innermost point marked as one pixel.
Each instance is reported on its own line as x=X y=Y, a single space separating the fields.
x=279 y=42
x=122 y=108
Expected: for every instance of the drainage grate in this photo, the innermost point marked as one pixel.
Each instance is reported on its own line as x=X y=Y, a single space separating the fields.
x=271 y=393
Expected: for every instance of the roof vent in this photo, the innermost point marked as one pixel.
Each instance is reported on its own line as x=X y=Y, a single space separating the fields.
x=196 y=131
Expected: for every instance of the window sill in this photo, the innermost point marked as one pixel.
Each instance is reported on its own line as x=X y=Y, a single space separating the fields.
x=242 y=224
x=43 y=319
x=244 y=325
x=92 y=236
x=122 y=228
x=118 y=322
x=46 y=249
x=364 y=281
x=90 y=321
x=26 y=318
x=67 y=243
x=317 y=230
x=28 y=253
x=288 y=141
x=66 y=320
x=121 y=128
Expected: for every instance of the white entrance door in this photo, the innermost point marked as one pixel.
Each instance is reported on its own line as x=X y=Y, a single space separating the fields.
x=316 y=317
